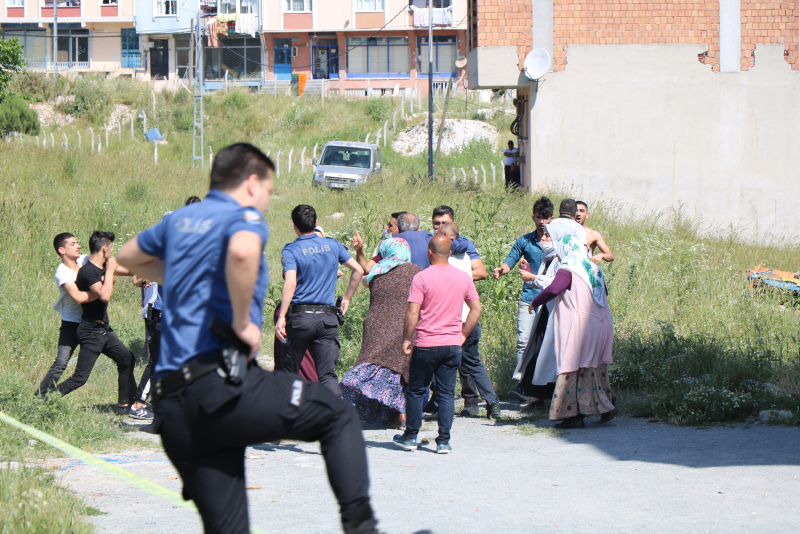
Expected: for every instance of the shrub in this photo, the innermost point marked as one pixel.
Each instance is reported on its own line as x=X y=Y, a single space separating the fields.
x=379 y=109
x=705 y=404
x=16 y=116
x=38 y=87
x=183 y=118
x=91 y=101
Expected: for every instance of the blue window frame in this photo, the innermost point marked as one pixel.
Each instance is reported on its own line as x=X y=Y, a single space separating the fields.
x=325 y=54
x=378 y=57
x=445 y=53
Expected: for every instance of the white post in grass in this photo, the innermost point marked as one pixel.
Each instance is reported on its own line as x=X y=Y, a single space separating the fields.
x=130 y=116
x=493 y=175
x=155 y=152
x=210 y=157
x=315 y=150
x=475 y=174
x=454 y=174
x=91 y=134
x=303 y=159
x=278 y=162
x=99 y=144
x=289 y=161
x=106 y=127
x=385 y=125
x=144 y=122
x=483 y=169
x=464 y=175
x=79 y=138
x=154 y=102
x=119 y=130
x=52 y=140
x=394 y=121
x=226 y=82
x=411 y=106
x=366 y=139
x=37 y=141
x=378 y=138
x=66 y=142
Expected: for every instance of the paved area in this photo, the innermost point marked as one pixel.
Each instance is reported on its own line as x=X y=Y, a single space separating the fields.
x=628 y=475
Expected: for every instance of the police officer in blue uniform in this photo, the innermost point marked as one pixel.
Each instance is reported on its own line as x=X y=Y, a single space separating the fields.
x=307 y=319
x=209 y=257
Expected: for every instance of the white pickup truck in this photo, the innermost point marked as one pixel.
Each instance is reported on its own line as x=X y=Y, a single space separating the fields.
x=342 y=164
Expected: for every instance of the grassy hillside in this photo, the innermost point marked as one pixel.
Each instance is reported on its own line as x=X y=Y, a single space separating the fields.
x=693 y=344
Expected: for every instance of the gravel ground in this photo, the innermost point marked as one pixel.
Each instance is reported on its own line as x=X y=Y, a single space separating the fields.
x=628 y=475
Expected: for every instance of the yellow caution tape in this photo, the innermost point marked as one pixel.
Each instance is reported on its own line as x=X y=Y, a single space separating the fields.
x=113 y=470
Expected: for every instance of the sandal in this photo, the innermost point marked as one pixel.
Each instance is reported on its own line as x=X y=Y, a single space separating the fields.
x=531 y=404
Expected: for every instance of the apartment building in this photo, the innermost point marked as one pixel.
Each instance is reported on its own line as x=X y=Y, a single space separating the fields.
x=688 y=105
x=93 y=35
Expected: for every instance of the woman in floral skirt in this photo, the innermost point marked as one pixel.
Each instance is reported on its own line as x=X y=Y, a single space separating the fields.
x=376 y=385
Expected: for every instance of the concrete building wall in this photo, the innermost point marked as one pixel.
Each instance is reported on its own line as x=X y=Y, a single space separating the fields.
x=651 y=127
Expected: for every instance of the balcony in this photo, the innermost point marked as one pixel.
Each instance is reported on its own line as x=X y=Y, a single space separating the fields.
x=129 y=61
x=45 y=63
x=71 y=8
x=418 y=17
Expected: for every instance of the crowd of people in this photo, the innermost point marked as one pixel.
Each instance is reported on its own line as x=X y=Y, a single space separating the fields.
x=421 y=332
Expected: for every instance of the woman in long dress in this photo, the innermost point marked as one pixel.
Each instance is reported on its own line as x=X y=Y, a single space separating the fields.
x=584 y=334
x=376 y=384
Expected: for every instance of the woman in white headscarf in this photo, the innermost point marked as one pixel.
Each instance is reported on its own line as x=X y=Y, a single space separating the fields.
x=583 y=331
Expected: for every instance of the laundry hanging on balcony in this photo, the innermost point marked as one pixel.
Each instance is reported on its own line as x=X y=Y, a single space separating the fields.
x=246 y=24
x=441 y=16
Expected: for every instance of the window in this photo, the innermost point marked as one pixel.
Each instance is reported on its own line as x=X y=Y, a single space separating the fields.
x=344 y=156
x=378 y=57
x=369 y=5
x=239 y=57
x=15 y=3
x=130 y=57
x=165 y=8
x=442 y=3
x=109 y=2
x=325 y=55
x=73 y=46
x=183 y=48
x=445 y=53
x=34 y=43
x=297 y=5
x=68 y=3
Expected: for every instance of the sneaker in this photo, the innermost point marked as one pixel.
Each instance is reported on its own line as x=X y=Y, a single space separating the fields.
x=493 y=411
x=407 y=444
x=518 y=394
x=470 y=410
x=142 y=413
x=443 y=448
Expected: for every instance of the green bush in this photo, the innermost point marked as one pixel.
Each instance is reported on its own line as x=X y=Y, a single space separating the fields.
x=92 y=101
x=704 y=404
x=379 y=109
x=16 y=116
x=38 y=87
x=183 y=118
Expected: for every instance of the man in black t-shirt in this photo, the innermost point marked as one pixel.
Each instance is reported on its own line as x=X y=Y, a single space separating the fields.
x=94 y=333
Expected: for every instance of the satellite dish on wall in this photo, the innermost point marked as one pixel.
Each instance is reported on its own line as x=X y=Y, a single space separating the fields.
x=537 y=63
x=461 y=62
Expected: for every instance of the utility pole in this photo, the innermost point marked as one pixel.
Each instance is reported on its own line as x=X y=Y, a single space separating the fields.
x=430 y=89
x=55 y=39
x=198 y=98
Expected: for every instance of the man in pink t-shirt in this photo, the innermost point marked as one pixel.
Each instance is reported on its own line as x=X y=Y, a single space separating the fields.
x=434 y=312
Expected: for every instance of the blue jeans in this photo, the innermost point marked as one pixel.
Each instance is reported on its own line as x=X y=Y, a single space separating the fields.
x=524 y=325
x=427 y=362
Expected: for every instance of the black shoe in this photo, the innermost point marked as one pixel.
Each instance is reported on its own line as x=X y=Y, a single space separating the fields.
x=531 y=405
x=518 y=394
x=493 y=411
x=470 y=410
x=606 y=417
x=571 y=422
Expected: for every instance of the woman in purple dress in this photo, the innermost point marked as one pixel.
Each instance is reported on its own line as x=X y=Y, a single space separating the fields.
x=376 y=385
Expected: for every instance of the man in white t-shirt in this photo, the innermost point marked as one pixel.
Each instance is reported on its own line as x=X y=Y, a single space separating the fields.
x=511 y=166
x=68 y=305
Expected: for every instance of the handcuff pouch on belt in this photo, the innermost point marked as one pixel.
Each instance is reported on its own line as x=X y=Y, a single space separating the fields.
x=234 y=353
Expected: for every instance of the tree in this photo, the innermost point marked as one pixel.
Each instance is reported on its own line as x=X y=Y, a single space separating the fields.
x=12 y=59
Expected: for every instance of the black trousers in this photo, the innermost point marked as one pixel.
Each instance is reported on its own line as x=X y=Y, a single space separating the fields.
x=206 y=426
x=317 y=333
x=512 y=175
x=96 y=339
x=67 y=342
x=153 y=343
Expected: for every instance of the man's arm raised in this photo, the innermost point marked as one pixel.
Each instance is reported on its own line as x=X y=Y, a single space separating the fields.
x=134 y=259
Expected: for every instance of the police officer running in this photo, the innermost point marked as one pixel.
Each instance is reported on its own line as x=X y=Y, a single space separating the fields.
x=310 y=265
x=209 y=257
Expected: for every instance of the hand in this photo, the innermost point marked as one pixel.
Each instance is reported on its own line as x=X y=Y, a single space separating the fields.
x=797 y=274
x=250 y=334
x=530 y=307
x=357 y=242
x=596 y=260
x=497 y=273
x=463 y=339
x=406 y=347
x=527 y=276
x=345 y=305
x=280 y=328
x=111 y=265
x=339 y=274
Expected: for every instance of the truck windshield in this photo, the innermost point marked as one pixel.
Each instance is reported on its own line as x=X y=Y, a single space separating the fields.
x=346 y=156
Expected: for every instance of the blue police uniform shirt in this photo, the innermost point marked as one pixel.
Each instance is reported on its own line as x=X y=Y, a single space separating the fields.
x=316 y=260
x=529 y=247
x=158 y=304
x=193 y=242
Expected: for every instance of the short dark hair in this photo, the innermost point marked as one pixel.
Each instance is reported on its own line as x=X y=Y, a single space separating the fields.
x=585 y=205
x=438 y=211
x=99 y=239
x=568 y=207
x=233 y=164
x=60 y=240
x=305 y=218
x=510 y=142
x=544 y=207
x=396 y=215
x=192 y=200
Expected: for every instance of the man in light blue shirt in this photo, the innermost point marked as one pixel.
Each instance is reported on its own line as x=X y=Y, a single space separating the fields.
x=529 y=249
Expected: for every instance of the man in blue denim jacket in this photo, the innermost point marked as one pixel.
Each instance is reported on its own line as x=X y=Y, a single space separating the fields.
x=529 y=249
